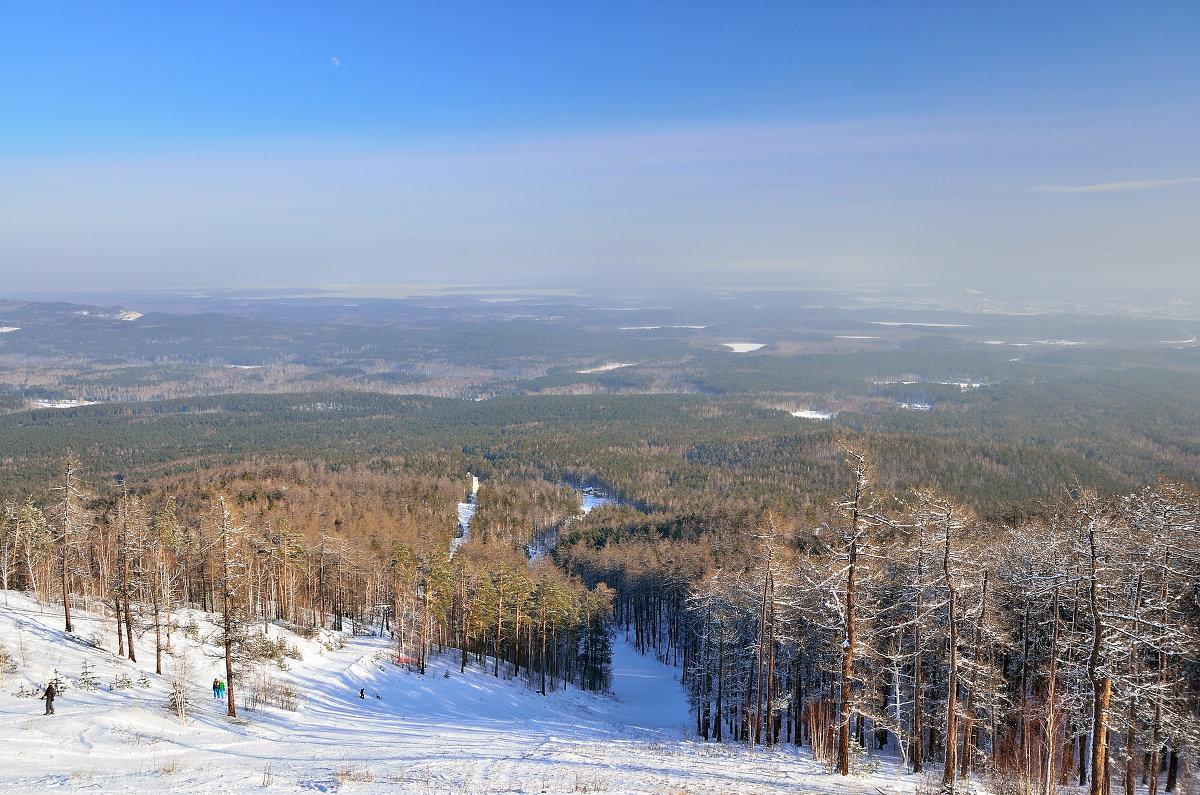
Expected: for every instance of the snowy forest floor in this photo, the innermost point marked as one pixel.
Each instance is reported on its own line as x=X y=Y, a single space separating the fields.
x=437 y=733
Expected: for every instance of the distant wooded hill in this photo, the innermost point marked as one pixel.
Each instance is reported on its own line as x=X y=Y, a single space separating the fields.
x=653 y=451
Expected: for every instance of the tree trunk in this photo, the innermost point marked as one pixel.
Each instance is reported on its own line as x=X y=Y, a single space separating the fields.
x=1103 y=693
x=1130 y=767
x=952 y=684
x=499 y=625
x=1162 y=683
x=1101 y=684
x=542 y=652
x=128 y=618
x=228 y=626
x=65 y=588
x=762 y=647
x=517 y=641
x=465 y=614
x=848 y=645
x=918 y=687
x=424 y=626
x=771 y=733
x=157 y=625
x=1083 y=759
x=1048 y=777
x=969 y=716
x=720 y=681
x=120 y=627
x=843 y=757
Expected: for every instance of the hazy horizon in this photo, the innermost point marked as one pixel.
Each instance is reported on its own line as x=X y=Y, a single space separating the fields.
x=1022 y=149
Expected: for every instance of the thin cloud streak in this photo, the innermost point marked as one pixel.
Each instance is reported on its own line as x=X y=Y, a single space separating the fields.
x=1113 y=187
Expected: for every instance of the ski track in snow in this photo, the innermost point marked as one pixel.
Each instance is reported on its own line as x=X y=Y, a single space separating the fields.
x=462 y=733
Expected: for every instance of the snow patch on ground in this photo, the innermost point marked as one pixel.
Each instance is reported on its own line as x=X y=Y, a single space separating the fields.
x=604 y=368
x=7 y=329
x=1068 y=343
x=62 y=404
x=964 y=386
x=590 y=498
x=919 y=325
x=444 y=731
x=744 y=347
x=652 y=328
x=120 y=314
x=1043 y=342
x=809 y=414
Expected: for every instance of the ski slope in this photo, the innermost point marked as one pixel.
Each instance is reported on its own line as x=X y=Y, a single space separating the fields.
x=443 y=732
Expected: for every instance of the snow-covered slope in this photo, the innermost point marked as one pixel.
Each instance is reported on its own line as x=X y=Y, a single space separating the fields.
x=441 y=732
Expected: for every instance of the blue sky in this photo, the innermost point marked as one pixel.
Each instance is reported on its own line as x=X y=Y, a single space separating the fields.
x=223 y=144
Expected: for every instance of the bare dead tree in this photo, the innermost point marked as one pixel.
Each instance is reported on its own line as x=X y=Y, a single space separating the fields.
x=70 y=521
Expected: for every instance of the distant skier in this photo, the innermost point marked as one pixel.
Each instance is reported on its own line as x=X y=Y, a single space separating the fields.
x=216 y=688
x=221 y=689
x=362 y=692
x=49 y=695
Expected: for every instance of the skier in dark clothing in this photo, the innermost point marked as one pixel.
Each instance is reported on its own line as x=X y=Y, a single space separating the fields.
x=362 y=692
x=48 y=695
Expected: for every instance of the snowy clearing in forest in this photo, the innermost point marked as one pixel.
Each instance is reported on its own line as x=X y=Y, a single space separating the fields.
x=604 y=368
x=6 y=329
x=443 y=731
x=590 y=498
x=964 y=386
x=62 y=404
x=810 y=414
x=744 y=347
x=120 y=314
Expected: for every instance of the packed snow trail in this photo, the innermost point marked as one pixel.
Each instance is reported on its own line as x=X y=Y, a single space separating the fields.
x=466 y=512
x=649 y=692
